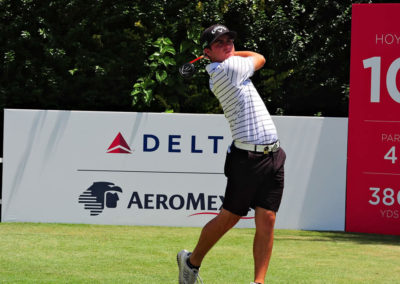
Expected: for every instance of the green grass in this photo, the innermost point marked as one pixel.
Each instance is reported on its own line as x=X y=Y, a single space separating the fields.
x=59 y=253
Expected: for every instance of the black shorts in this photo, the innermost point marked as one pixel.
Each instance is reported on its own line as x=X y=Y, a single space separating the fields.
x=254 y=180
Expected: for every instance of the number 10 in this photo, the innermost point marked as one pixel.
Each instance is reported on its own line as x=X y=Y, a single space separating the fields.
x=375 y=64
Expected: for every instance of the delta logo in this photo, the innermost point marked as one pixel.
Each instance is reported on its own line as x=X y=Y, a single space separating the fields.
x=173 y=143
x=119 y=146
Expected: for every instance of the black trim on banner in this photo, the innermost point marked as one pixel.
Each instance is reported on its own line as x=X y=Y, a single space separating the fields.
x=149 y=172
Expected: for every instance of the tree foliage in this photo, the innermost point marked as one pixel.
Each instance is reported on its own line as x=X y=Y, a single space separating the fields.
x=124 y=55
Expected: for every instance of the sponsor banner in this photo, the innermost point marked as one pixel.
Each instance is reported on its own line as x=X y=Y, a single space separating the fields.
x=157 y=169
x=373 y=176
x=119 y=168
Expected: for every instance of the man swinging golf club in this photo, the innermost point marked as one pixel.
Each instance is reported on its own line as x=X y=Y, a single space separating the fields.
x=254 y=164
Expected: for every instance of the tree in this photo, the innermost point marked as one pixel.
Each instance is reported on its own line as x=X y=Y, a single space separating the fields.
x=124 y=55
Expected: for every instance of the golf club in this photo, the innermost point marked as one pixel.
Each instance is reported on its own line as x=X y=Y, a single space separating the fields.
x=187 y=70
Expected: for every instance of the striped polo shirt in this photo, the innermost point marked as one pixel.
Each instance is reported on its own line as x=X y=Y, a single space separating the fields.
x=248 y=117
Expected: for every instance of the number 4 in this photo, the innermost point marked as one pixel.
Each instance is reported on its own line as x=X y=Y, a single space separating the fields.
x=391 y=155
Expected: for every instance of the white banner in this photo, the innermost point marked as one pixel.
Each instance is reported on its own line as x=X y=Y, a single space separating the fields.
x=158 y=169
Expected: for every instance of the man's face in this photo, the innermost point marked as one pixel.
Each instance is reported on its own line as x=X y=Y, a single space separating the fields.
x=220 y=49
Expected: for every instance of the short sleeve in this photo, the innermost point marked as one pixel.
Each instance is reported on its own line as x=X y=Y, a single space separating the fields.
x=238 y=69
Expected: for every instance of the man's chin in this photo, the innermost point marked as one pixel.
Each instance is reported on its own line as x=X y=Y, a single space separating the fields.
x=221 y=59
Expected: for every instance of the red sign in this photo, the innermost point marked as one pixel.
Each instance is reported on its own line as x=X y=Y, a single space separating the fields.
x=373 y=168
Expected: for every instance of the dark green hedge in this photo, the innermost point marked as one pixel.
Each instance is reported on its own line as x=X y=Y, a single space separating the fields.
x=124 y=55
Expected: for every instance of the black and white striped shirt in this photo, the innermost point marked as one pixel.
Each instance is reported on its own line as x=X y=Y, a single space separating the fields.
x=248 y=117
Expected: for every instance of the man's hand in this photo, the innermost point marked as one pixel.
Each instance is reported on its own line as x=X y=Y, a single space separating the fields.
x=259 y=60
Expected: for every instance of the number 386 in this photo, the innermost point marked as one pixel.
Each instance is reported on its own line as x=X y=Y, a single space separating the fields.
x=388 y=196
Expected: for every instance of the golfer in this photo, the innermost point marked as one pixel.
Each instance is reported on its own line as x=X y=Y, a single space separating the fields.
x=254 y=164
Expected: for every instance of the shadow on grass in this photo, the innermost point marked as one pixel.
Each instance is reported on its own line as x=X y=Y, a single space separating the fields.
x=362 y=238
x=328 y=236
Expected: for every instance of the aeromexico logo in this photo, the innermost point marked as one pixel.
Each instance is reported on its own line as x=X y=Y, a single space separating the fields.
x=103 y=195
x=100 y=195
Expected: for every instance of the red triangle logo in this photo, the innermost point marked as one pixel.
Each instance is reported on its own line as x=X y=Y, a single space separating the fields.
x=119 y=145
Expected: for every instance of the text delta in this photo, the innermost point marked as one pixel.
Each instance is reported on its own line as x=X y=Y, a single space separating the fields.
x=151 y=143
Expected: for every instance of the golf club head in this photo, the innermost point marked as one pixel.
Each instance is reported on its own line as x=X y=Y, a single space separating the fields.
x=187 y=70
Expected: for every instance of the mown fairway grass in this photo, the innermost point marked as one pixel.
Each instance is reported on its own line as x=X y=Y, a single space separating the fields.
x=59 y=253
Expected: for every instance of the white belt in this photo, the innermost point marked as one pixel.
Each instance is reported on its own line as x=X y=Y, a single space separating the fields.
x=257 y=148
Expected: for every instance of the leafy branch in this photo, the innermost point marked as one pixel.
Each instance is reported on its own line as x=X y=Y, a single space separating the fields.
x=157 y=66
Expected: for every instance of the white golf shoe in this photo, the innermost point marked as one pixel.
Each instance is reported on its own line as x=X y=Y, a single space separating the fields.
x=186 y=274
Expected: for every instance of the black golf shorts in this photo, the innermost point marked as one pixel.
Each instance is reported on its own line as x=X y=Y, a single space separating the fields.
x=254 y=180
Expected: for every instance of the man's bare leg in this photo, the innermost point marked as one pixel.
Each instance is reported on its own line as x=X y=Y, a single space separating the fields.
x=263 y=241
x=211 y=233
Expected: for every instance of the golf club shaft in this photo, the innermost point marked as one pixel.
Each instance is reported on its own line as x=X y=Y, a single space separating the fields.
x=194 y=60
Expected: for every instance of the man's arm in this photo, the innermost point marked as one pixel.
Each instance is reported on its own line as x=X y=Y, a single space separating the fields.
x=259 y=60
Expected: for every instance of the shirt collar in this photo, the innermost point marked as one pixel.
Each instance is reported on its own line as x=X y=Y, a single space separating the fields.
x=212 y=66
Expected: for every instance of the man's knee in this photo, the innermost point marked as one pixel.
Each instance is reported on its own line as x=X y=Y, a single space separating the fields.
x=228 y=219
x=264 y=218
